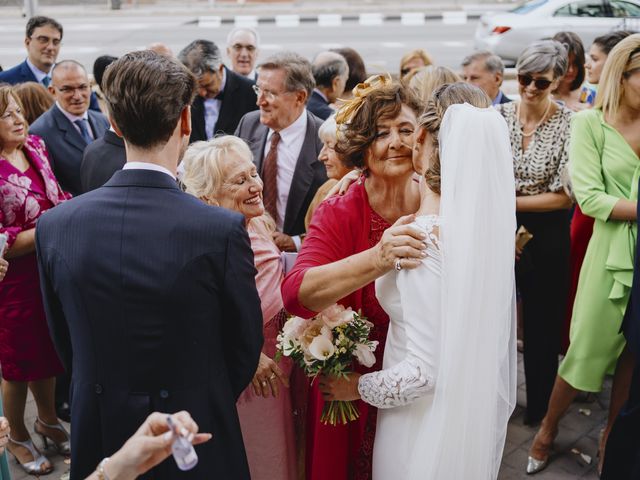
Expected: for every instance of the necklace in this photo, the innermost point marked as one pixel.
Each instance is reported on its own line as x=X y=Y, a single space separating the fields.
x=544 y=115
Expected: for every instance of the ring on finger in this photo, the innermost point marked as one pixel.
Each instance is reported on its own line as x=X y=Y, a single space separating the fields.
x=272 y=376
x=263 y=383
x=398 y=265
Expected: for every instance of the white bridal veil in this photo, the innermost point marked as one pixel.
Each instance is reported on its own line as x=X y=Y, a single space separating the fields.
x=463 y=436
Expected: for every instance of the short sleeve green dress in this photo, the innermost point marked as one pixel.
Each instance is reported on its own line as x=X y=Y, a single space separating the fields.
x=603 y=169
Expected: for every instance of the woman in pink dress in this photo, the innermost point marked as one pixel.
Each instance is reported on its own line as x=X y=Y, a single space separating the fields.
x=27 y=189
x=220 y=172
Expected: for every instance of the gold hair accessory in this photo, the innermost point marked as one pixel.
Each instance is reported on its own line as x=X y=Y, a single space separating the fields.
x=350 y=107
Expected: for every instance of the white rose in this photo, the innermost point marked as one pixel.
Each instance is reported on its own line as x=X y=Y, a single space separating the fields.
x=294 y=327
x=321 y=348
x=365 y=355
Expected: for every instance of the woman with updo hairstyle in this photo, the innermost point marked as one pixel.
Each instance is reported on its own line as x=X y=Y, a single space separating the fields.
x=539 y=132
x=605 y=170
x=448 y=383
x=352 y=240
x=427 y=79
x=221 y=172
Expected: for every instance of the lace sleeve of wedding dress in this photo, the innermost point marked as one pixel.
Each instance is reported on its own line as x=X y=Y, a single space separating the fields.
x=414 y=376
x=396 y=386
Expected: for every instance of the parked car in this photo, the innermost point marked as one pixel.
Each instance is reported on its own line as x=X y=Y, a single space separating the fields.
x=507 y=34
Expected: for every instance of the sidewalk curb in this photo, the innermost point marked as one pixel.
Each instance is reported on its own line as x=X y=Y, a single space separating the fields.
x=452 y=17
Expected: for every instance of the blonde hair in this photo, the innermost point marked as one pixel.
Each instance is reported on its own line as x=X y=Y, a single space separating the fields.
x=622 y=60
x=427 y=79
x=328 y=131
x=443 y=97
x=413 y=54
x=203 y=162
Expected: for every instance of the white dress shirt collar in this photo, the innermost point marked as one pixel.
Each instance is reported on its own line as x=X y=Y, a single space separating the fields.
x=294 y=131
x=39 y=74
x=72 y=118
x=147 y=166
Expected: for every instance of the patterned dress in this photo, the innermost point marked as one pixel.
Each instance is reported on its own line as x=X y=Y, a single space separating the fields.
x=542 y=273
x=26 y=350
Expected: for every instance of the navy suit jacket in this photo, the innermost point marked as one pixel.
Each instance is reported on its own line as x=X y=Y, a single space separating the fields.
x=308 y=175
x=21 y=73
x=150 y=295
x=65 y=144
x=238 y=98
x=101 y=160
x=319 y=106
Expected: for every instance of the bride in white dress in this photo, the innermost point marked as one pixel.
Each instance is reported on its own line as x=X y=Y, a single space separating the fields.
x=448 y=384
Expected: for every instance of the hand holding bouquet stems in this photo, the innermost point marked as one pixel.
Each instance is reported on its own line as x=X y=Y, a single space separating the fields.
x=326 y=346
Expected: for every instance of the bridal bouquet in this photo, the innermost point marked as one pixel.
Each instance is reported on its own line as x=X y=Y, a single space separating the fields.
x=327 y=345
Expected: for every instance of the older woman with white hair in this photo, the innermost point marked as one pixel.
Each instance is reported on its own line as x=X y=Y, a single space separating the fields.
x=539 y=132
x=336 y=169
x=220 y=172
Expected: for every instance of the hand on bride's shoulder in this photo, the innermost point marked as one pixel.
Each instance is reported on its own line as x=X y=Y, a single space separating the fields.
x=401 y=244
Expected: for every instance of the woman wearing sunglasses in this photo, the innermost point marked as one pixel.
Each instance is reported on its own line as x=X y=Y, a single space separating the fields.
x=539 y=133
x=605 y=170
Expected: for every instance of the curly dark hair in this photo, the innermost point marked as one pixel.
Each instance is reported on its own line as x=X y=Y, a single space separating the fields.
x=356 y=136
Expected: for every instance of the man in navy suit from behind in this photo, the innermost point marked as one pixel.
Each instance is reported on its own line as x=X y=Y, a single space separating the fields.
x=149 y=292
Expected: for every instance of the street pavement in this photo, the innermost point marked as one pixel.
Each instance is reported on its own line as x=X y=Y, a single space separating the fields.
x=381 y=31
x=579 y=431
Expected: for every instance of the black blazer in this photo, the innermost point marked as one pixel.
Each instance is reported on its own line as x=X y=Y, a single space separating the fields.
x=319 y=106
x=101 y=160
x=238 y=98
x=21 y=73
x=65 y=144
x=150 y=295
x=308 y=175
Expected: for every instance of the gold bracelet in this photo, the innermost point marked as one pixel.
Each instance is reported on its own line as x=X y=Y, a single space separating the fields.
x=100 y=470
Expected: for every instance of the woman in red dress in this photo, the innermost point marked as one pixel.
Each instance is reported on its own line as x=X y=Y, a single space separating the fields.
x=352 y=240
x=27 y=189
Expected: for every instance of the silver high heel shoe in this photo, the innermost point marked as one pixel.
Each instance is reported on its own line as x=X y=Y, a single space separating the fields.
x=64 y=447
x=33 y=467
x=535 y=466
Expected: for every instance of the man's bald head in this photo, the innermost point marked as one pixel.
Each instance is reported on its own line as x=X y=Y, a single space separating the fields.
x=70 y=87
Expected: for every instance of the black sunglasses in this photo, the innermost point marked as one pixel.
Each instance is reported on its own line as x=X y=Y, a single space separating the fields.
x=540 y=83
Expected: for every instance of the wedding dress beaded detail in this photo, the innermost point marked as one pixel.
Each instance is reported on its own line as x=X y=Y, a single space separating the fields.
x=412 y=378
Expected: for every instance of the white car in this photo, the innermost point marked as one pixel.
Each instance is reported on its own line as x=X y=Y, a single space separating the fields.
x=508 y=34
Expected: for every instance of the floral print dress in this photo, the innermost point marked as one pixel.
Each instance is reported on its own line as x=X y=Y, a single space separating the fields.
x=26 y=350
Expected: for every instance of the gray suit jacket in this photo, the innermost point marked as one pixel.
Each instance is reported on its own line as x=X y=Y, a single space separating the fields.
x=66 y=145
x=308 y=175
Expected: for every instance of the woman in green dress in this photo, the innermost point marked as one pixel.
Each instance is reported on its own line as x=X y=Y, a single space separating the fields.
x=604 y=165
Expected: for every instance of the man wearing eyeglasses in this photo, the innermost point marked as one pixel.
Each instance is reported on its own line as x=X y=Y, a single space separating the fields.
x=69 y=126
x=283 y=137
x=43 y=39
x=223 y=96
x=242 y=50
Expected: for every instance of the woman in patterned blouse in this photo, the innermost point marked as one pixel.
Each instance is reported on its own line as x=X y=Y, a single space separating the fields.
x=539 y=131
